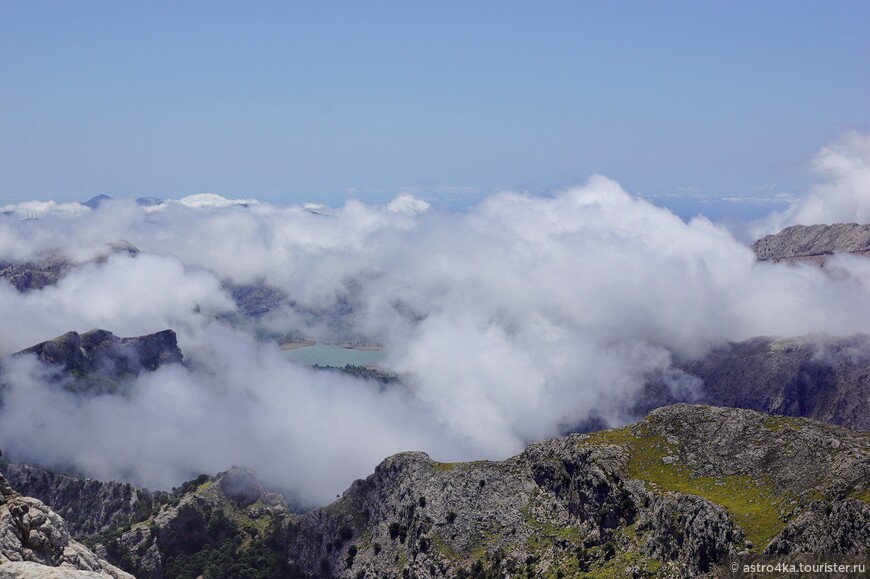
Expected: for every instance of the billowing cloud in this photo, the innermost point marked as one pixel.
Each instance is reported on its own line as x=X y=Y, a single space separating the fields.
x=844 y=197
x=36 y=209
x=509 y=322
x=408 y=204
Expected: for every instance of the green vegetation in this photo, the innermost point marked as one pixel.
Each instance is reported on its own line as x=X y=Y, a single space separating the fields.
x=231 y=561
x=775 y=423
x=443 y=466
x=753 y=504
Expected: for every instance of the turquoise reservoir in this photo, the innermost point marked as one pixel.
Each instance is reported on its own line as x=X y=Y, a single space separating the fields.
x=335 y=356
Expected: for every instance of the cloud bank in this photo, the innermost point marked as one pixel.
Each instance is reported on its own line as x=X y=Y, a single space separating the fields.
x=511 y=322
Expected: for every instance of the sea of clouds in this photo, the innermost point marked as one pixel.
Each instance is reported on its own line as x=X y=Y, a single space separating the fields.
x=513 y=321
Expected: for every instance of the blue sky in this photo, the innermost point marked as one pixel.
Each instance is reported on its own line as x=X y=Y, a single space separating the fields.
x=319 y=101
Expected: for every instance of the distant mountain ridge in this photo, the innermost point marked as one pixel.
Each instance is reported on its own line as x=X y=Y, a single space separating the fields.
x=822 y=377
x=38 y=273
x=96 y=361
x=813 y=242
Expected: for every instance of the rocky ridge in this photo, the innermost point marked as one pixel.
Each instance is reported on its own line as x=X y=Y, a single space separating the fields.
x=671 y=495
x=88 y=506
x=36 y=274
x=35 y=543
x=813 y=242
x=96 y=361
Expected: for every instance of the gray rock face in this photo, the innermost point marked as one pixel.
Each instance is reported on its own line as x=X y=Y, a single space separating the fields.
x=34 y=542
x=97 y=360
x=813 y=242
x=35 y=275
x=40 y=273
x=818 y=376
x=87 y=506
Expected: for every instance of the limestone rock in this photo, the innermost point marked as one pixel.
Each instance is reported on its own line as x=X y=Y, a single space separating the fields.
x=34 y=542
x=87 y=506
x=813 y=242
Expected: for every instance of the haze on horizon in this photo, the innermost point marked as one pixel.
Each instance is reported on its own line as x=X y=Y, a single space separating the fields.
x=704 y=107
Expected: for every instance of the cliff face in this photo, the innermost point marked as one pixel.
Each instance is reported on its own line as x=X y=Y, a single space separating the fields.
x=97 y=360
x=671 y=495
x=818 y=376
x=813 y=242
x=35 y=543
x=87 y=506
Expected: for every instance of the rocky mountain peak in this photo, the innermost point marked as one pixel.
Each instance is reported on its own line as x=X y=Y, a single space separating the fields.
x=98 y=359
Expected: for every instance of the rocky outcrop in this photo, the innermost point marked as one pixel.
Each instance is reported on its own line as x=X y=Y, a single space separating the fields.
x=36 y=274
x=35 y=543
x=256 y=299
x=818 y=376
x=672 y=495
x=96 y=361
x=228 y=523
x=88 y=506
x=813 y=242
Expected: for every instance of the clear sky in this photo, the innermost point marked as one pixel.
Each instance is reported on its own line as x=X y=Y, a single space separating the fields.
x=319 y=101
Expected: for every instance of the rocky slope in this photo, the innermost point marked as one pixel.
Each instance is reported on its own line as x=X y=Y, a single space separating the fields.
x=35 y=543
x=818 y=376
x=96 y=361
x=256 y=299
x=671 y=495
x=88 y=506
x=35 y=274
x=813 y=242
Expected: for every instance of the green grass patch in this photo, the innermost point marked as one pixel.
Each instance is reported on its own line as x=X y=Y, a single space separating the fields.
x=443 y=549
x=443 y=466
x=775 y=423
x=614 y=568
x=862 y=496
x=754 y=507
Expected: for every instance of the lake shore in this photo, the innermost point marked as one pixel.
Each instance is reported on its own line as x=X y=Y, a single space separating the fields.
x=345 y=345
x=299 y=344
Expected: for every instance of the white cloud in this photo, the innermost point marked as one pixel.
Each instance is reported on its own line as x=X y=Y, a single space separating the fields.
x=845 y=195
x=408 y=204
x=36 y=209
x=212 y=201
x=510 y=322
